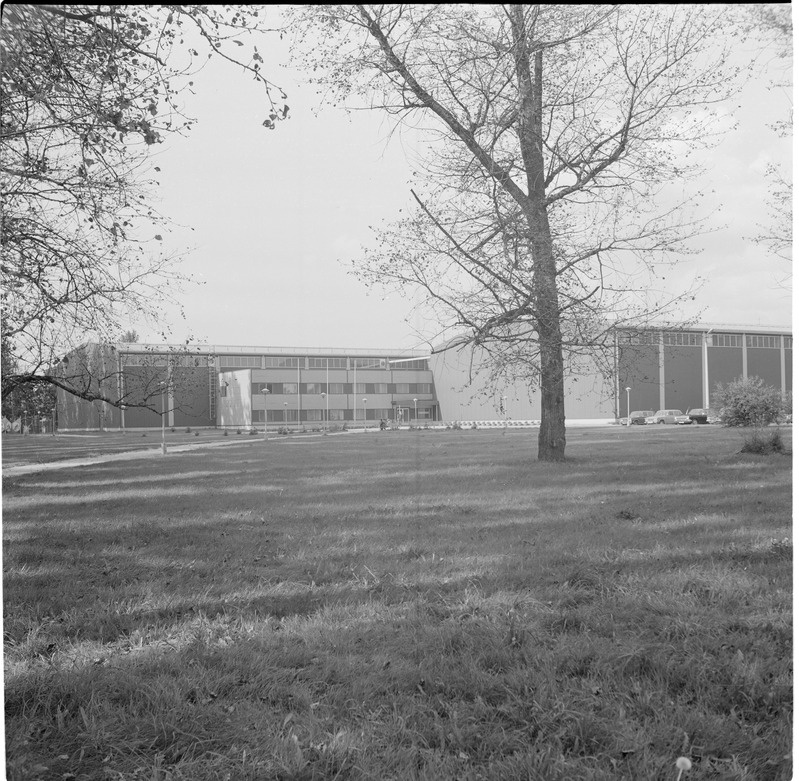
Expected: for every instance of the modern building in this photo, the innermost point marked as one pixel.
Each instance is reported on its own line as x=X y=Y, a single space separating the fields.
x=237 y=387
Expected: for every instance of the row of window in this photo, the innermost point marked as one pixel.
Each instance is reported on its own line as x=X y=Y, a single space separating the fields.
x=282 y=362
x=694 y=339
x=161 y=359
x=333 y=415
x=340 y=388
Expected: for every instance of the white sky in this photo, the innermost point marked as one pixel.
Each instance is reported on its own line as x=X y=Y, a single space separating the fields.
x=277 y=215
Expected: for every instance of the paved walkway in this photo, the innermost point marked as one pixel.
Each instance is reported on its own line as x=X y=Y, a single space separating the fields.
x=129 y=455
x=151 y=452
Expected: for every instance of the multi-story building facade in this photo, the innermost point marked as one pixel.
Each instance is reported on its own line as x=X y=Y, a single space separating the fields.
x=234 y=386
x=230 y=386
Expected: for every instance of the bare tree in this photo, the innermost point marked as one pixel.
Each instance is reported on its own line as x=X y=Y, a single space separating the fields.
x=772 y=25
x=557 y=129
x=87 y=92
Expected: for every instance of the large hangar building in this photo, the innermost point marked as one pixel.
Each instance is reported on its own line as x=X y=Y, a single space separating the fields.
x=227 y=386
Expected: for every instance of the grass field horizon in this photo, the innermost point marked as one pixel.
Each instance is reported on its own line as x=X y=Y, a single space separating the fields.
x=414 y=604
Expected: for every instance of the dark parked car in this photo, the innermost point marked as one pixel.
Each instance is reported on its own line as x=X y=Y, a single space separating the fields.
x=703 y=415
x=638 y=418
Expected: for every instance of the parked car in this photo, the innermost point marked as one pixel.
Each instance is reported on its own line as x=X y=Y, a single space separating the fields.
x=703 y=415
x=638 y=418
x=669 y=416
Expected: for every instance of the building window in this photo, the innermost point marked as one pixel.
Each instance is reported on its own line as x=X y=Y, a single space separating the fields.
x=376 y=387
x=279 y=362
x=379 y=414
x=682 y=338
x=327 y=363
x=290 y=388
x=360 y=387
x=240 y=361
x=258 y=416
x=788 y=341
x=271 y=387
x=415 y=365
x=336 y=414
x=313 y=387
x=770 y=342
x=422 y=387
x=370 y=363
x=335 y=387
x=402 y=387
x=727 y=340
x=638 y=337
x=313 y=414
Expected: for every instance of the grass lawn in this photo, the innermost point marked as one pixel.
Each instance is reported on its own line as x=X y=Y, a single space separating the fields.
x=404 y=605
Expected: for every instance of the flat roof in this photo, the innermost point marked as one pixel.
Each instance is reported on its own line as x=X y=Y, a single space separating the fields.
x=230 y=349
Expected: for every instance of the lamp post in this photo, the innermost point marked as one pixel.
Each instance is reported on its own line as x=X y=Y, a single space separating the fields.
x=265 y=391
x=628 y=405
x=286 y=416
x=122 y=409
x=415 y=412
x=163 y=419
x=324 y=426
x=364 y=415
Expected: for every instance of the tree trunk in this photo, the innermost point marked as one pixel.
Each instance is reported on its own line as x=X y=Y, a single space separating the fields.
x=552 y=434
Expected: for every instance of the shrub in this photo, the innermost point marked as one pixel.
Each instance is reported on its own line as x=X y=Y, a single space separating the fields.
x=224 y=433
x=763 y=443
x=188 y=429
x=748 y=402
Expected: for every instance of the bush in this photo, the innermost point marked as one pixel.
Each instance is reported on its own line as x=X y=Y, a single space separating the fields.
x=763 y=443
x=224 y=433
x=748 y=402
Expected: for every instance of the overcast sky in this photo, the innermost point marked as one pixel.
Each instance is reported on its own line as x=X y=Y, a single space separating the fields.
x=272 y=218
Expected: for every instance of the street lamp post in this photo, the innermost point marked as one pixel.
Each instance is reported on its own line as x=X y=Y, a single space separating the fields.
x=265 y=391
x=286 y=416
x=364 y=416
x=415 y=412
x=324 y=426
x=163 y=419
x=628 y=405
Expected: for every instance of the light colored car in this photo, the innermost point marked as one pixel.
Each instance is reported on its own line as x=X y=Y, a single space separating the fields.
x=669 y=416
x=638 y=418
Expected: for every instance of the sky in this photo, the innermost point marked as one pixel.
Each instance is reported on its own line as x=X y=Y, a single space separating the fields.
x=269 y=220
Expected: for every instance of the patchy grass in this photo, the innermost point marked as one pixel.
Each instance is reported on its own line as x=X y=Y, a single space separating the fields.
x=763 y=442
x=431 y=605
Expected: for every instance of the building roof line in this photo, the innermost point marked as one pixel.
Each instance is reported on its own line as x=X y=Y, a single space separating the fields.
x=131 y=347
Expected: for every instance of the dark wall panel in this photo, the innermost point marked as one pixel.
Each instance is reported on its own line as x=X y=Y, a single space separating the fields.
x=683 y=376
x=191 y=397
x=724 y=364
x=764 y=363
x=638 y=370
x=789 y=371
